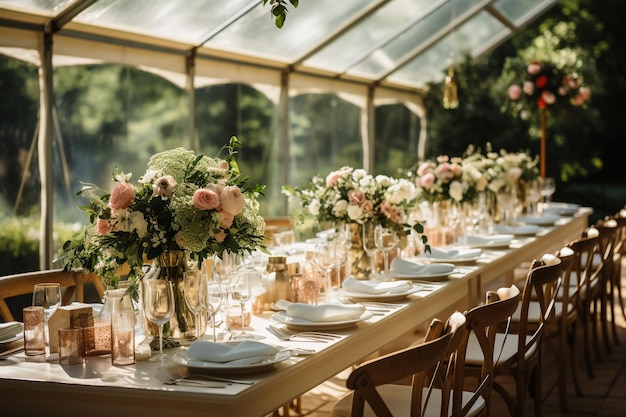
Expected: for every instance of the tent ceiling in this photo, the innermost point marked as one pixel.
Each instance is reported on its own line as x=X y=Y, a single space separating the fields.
x=399 y=43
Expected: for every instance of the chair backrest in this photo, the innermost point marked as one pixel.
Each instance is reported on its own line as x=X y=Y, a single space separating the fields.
x=483 y=322
x=608 y=235
x=72 y=284
x=542 y=285
x=584 y=271
x=417 y=362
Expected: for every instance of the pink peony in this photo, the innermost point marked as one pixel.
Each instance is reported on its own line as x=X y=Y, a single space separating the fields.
x=534 y=68
x=232 y=200
x=165 y=186
x=122 y=196
x=205 y=199
x=514 y=92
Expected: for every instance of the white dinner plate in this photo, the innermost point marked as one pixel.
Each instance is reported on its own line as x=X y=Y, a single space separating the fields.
x=521 y=230
x=442 y=276
x=546 y=219
x=490 y=242
x=384 y=297
x=15 y=338
x=180 y=358
x=450 y=260
x=562 y=209
x=297 y=323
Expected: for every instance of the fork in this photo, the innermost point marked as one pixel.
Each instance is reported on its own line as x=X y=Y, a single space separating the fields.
x=310 y=336
x=186 y=381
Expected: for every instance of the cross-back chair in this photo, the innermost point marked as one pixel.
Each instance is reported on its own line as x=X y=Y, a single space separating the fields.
x=72 y=285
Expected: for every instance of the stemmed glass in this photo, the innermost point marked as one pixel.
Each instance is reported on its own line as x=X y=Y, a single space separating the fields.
x=159 y=307
x=386 y=241
x=195 y=288
x=241 y=291
x=369 y=244
x=214 y=300
x=547 y=187
x=47 y=295
x=324 y=258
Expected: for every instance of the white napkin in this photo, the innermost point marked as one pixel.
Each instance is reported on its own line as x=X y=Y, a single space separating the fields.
x=243 y=353
x=502 y=239
x=442 y=253
x=10 y=329
x=402 y=267
x=376 y=287
x=322 y=312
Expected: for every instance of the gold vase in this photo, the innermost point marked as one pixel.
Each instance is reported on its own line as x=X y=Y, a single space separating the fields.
x=172 y=265
x=358 y=259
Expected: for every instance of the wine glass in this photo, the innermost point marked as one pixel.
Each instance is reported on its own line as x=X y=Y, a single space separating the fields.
x=386 y=241
x=214 y=300
x=159 y=307
x=241 y=291
x=195 y=287
x=47 y=295
x=547 y=188
x=324 y=258
x=369 y=244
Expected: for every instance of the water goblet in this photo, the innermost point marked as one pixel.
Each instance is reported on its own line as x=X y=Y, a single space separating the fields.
x=547 y=187
x=159 y=307
x=214 y=301
x=324 y=258
x=195 y=290
x=48 y=296
x=386 y=241
x=241 y=292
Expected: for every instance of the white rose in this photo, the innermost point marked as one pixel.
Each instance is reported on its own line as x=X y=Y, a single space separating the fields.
x=138 y=223
x=314 y=207
x=340 y=208
x=355 y=212
x=359 y=173
x=456 y=190
x=384 y=180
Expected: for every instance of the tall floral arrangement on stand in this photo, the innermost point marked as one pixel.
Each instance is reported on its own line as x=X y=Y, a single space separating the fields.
x=185 y=207
x=352 y=196
x=543 y=85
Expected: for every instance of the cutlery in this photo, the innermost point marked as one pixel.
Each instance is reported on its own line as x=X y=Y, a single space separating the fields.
x=202 y=377
x=309 y=336
x=187 y=381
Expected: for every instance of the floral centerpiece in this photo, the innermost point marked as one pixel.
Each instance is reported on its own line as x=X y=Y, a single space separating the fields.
x=352 y=196
x=184 y=203
x=448 y=179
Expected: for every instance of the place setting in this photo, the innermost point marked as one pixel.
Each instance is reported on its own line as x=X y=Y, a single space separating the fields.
x=302 y=316
x=409 y=270
x=490 y=241
x=453 y=255
x=381 y=291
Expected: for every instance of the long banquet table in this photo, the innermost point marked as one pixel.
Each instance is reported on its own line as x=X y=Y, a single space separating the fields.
x=97 y=388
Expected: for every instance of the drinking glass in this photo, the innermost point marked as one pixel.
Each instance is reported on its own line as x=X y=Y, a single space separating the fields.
x=369 y=244
x=386 y=241
x=48 y=296
x=214 y=300
x=159 y=307
x=547 y=188
x=241 y=291
x=195 y=288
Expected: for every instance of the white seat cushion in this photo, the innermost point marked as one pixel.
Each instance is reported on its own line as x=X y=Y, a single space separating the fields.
x=474 y=354
x=398 y=398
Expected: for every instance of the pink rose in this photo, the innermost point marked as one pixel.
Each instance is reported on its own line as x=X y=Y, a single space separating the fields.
x=424 y=168
x=514 y=92
x=356 y=197
x=585 y=92
x=227 y=220
x=232 y=200
x=456 y=169
x=165 y=185
x=528 y=87
x=444 y=171
x=122 y=196
x=428 y=180
x=443 y=158
x=573 y=83
x=562 y=90
x=534 y=68
x=367 y=206
x=332 y=179
x=548 y=97
x=103 y=226
x=220 y=236
x=205 y=199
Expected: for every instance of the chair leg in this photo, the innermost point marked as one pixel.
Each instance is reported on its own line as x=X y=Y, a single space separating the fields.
x=535 y=385
x=508 y=400
x=585 y=318
x=562 y=363
x=612 y=294
x=604 y=319
x=573 y=356
x=593 y=318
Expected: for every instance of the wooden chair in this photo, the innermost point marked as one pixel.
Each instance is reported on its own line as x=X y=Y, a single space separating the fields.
x=374 y=392
x=72 y=285
x=520 y=357
x=607 y=229
x=620 y=250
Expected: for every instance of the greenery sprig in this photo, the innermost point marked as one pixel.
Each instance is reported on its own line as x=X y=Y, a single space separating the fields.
x=279 y=10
